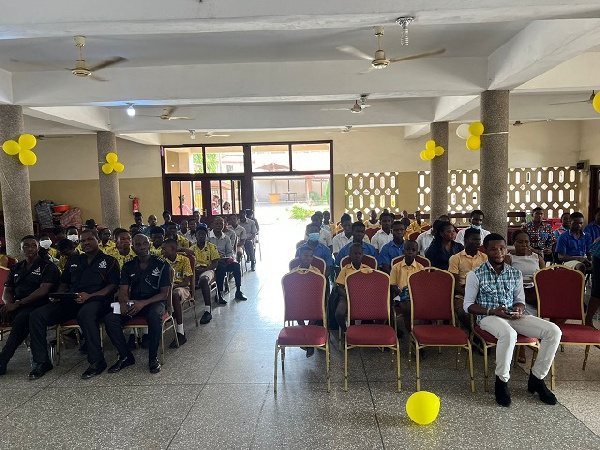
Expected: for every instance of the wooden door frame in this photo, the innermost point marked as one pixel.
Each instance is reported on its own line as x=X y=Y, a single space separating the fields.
x=594 y=191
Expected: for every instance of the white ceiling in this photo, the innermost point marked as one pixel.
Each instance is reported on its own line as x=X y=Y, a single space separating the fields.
x=268 y=64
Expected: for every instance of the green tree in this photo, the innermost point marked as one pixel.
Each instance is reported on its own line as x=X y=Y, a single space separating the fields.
x=211 y=163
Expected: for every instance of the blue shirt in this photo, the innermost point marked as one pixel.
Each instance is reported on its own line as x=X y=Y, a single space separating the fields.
x=569 y=245
x=559 y=231
x=320 y=251
x=592 y=230
x=368 y=249
x=390 y=251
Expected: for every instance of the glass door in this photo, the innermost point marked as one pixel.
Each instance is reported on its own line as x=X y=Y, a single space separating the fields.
x=225 y=196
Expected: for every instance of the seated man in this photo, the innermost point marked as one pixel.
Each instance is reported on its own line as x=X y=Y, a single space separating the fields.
x=190 y=235
x=330 y=226
x=122 y=251
x=157 y=237
x=106 y=241
x=460 y=265
x=181 y=285
x=207 y=258
x=138 y=219
x=145 y=284
x=476 y=221
x=226 y=262
x=93 y=276
x=384 y=235
x=426 y=238
x=356 y=254
x=394 y=248
x=573 y=247
x=171 y=232
x=45 y=249
x=593 y=228
x=565 y=225
x=340 y=240
x=26 y=289
x=240 y=233
x=324 y=234
x=319 y=250
x=540 y=234
x=305 y=258
x=494 y=291
x=66 y=249
x=416 y=225
x=399 y=280
x=73 y=236
x=251 y=231
x=373 y=221
x=358 y=233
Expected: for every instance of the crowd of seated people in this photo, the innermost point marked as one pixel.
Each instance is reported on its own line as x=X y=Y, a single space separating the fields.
x=92 y=276
x=399 y=244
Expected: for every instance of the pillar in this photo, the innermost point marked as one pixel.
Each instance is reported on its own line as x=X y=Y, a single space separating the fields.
x=439 y=172
x=109 y=184
x=493 y=160
x=14 y=183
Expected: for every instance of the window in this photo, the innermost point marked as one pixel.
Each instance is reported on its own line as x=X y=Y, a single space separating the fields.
x=308 y=157
x=220 y=159
x=184 y=160
x=270 y=158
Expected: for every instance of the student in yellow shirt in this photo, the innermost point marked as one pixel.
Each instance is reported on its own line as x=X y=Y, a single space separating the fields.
x=122 y=251
x=399 y=279
x=171 y=233
x=207 y=258
x=356 y=254
x=106 y=243
x=416 y=225
x=46 y=251
x=66 y=249
x=373 y=222
x=181 y=285
x=306 y=258
x=157 y=237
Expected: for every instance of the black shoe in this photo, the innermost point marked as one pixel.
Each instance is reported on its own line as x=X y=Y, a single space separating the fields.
x=310 y=351
x=240 y=296
x=145 y=341
x=131 y=342
x=122 y=363
x=502 y=392
x=206 y=317
x=93 y=371
x=181 y=338
x=40 y=370
x=221 y=300
x=536 y=385
x=2 y=369
x=154 y=366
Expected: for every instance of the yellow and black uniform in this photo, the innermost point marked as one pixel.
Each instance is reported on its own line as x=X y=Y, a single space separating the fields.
x=182 y=242
x=23 y=282
x=181 y=266
x=108 y=247
x=205 y=255
x=415 y=227
x=156 y=250
x=62 y=261
x=122 y=259
x=373 y=226
x=311 y=268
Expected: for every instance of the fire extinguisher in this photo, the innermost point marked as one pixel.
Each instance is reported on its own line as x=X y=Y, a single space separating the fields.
x=136 y=204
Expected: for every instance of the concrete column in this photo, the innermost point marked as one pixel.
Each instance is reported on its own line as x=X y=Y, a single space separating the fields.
x=439 y=172
x=493 y=160
x=14 y=182
x=109 y=184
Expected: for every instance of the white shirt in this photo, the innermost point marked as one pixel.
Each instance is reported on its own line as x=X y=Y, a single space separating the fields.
x=381 y=238
x=189 y=236
x=460 y=237
x=424 y=240
x=340 y=240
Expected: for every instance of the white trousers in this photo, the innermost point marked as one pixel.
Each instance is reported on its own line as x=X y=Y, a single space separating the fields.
x=506 y=332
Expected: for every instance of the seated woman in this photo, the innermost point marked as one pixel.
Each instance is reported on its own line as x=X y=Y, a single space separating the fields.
x=443 y=245
x=528 y=262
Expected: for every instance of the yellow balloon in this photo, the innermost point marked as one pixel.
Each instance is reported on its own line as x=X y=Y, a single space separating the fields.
x=439 y=150
x=11 y=147
x=119 y=167
x=423 y=407
x=473 y=143
x=476 y=128
x=27 y=141
x=27 y=158
x=422 y=155
x=430 y=145
x=596 y=102
x=107 y=168
x=111 y=158
x=429 y=153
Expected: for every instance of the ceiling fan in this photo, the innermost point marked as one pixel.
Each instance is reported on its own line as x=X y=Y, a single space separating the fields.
x=167 y=114
x=380 y=61
x=358 y=106
x=518 y=123
x=589 y=100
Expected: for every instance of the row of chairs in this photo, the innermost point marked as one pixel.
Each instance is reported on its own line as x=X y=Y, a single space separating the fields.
x=560 y=298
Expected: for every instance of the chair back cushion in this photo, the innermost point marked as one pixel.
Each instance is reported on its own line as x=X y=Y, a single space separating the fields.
x=367 y=260
x=431 y=294
x=420 y=259
x=317 y=262
x=368 y=295
x=370 y=232
x=3 y=277
x=559 y=292
x=303 y=295
x=413 y=236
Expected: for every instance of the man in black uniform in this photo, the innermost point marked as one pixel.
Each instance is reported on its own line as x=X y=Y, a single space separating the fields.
x=26 y=289
x=94 y=277
x=145 y=284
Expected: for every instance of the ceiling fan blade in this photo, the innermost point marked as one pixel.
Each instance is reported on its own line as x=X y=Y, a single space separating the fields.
x=145 y=115
x=354 y=52
x=365 y=106
x=571 y=103
x=108 y=62
x=96 y=78
x=369 y=70
x=180 y=118
x=217 y=135
x=419 y=55
x=34 y=65
x=334 y=109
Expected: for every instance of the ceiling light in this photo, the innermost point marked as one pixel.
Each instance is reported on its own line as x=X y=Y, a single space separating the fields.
x=130 y=110
x=192 y=134
x=404 y=22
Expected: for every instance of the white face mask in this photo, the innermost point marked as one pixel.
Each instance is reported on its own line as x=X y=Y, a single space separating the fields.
x=46 y=243
x=73 y=238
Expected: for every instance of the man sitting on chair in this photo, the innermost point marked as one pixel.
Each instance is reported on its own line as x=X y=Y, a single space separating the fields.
x=145 y=284
x=207 y=258
x=573 y=246
x=358 y=234
x=227 y=262
x=494 y=291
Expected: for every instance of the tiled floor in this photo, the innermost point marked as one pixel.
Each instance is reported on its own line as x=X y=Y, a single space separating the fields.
x=217 y=392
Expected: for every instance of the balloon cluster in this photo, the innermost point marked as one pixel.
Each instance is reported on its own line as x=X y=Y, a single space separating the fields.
x=472 y=133
x=112 y=163
x=22 y=148
x=431 y=151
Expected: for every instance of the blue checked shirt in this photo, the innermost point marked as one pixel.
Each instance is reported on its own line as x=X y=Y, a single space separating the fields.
x=491 y=290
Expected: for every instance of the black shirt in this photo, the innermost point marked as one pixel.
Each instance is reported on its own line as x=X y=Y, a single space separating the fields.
x=145 y=283
x=439 y=256
x=92 y=277
x=25 y=281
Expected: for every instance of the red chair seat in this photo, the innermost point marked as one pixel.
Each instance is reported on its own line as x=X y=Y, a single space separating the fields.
x=140 y=321
x=371 y=334
x=439 y=335
x=305 y=335
x=70 y=323
x=579 y=333
x=491 y=339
